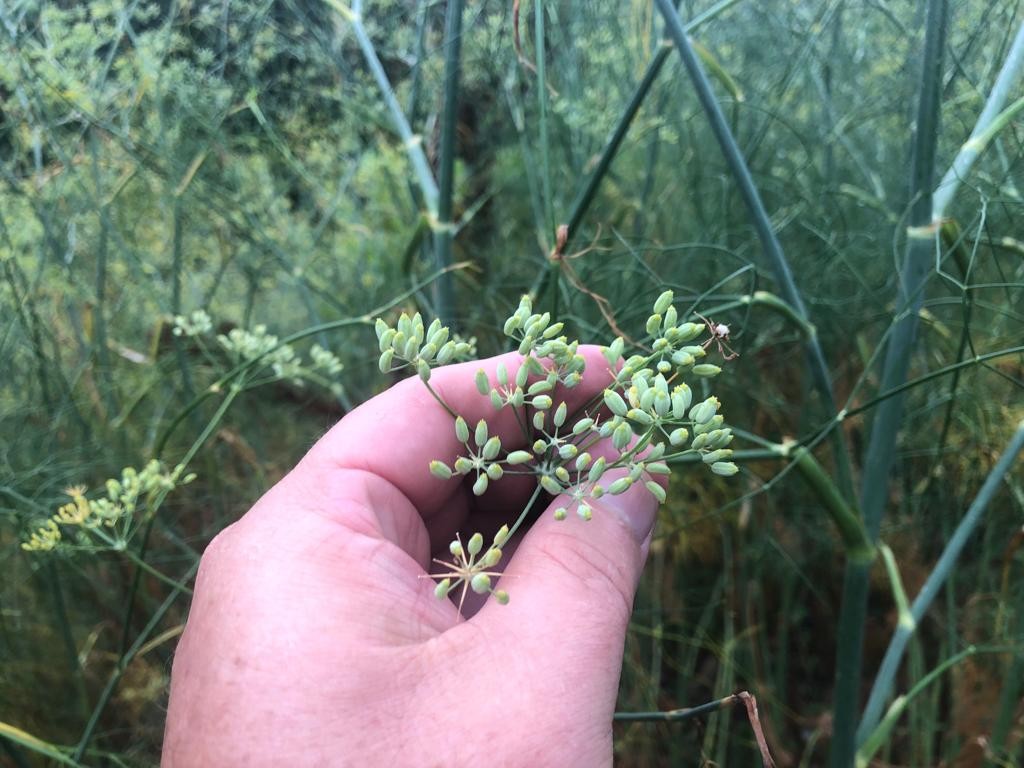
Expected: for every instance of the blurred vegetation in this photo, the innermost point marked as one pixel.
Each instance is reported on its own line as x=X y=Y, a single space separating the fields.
x=163 y=157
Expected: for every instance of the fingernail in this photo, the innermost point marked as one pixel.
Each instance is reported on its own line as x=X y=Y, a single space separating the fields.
x=636 y=508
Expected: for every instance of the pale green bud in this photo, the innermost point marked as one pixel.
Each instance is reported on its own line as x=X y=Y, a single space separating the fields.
x=670 y=318
x=538 y=419
x=657 y=468
x=539 y=446
x=562 y=474
x=656 y=490
x=423 y=369
x=646 y=400
x=542 y=402
x=481 y=583
x=501 y=537
x=502 y=372
x=709 y=426
x=476 y=543
x=512 y=325
x=553 y=330
x=411 y=348
x=706 y=370
x=620 y=486
x=584 y=511
x=380 y=327
x=495 y=472
x=496 y=400
x=446 y=353
x=491 y=557
x=440 y=470
x=385 y=360
x=491 y=448
x=615 y=403
x=653 y=324
x=461 y=430
x=682 y=396
x=384 y=341
x=663 y=302
x=518 y=398
x=442 y=588
x=463 y=465
x=539 y=387
x=705 y=410
x=682 y=359
x=519 y=457
x=501 y=596
x=456 y=548
x=581 y=426
x=621 y=436
x=483 y=384
x=480 y=433
x=549 y=484
x=428 y=351
x=724 y=468
x=560 y=514
x=699 y=441
x=480 y=486
x=719 y=438
x=568 y=451
x=522 y=375
x=641 y=417
x=560 y=413
x=582 y=461
x=688 y=331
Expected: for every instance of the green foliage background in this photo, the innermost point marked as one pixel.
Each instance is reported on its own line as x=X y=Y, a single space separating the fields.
x=236 y=156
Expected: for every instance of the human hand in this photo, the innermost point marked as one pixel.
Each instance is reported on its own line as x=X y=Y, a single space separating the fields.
x=314 y=639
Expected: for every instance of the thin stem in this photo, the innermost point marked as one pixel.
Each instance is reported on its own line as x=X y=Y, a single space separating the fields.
x=982 y=133
x=412 y=143
x=894 y=653
x=762 y=224
x=445 y=230
x=525 y=512
x=122 y=665
x=880 y=454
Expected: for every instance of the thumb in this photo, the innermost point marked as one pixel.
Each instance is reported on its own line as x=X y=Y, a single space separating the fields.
x=572 y=584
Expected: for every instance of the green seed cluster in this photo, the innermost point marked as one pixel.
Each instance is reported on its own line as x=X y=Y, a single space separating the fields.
x=410 y=345
x=647 y=414
x=469 y=569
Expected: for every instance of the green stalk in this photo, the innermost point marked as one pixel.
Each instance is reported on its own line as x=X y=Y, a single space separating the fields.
x=894 y=653
x=588 y=191
x=881 y=449
x=444 y=296
x=676 y=715
x=859 y=548
x=412 y=143
x=761 y=222
x=900 y=704
x=542 y=105
x=122 y=665
x=990 y=122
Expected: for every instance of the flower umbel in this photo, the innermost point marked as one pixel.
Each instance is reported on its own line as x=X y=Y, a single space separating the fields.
x=647 y=414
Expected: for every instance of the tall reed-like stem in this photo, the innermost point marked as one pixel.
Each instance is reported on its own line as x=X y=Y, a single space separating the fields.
x=894 y=653
x=444 y=231
x=587 y=192
x=881 y=449
x=982 y=133
x=762 y=224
